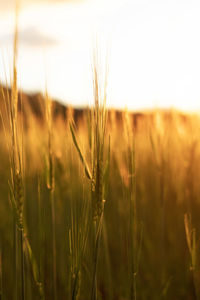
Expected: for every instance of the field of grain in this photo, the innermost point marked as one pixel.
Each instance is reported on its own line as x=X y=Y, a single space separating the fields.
x=97 y=203
x=106 y=207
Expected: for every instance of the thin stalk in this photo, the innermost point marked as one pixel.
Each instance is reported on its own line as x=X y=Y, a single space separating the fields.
x=40 y=228
x=53 y=244
x=16 y=154
x=133 y=228
x=22 y=265
x=192 y=247
x=130 y=136
x=50 y=185
x=15 y=255
x=1 y=275
x=107 y=258
x=98 y=230
x=99 y=169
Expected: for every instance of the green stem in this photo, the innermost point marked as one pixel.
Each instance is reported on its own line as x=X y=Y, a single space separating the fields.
x=96 y=253
x=15 y=255
x=53 y=244
x=22 y=266
x=1 y=279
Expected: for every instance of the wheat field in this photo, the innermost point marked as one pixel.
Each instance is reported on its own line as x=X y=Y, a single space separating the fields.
x=103 y=208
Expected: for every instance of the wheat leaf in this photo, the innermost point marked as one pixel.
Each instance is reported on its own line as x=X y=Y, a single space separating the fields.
x=87 y=171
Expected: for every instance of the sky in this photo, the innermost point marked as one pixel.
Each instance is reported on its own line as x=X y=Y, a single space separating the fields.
x=152 y=48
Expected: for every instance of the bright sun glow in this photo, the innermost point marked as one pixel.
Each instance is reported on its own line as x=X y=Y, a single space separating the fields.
x=153 y=48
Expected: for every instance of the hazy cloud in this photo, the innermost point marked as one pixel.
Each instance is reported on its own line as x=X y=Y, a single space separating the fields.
x=31 y=36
